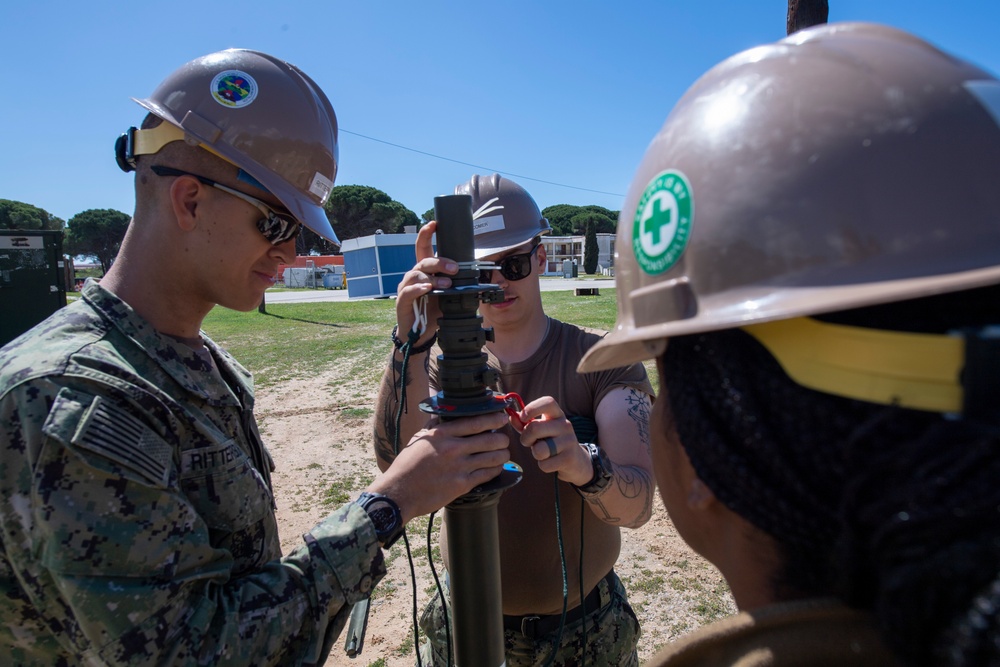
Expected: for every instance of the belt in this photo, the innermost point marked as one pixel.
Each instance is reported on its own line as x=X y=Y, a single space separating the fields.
x=534 y=625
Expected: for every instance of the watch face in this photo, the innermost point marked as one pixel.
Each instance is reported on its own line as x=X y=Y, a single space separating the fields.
x=383 y=517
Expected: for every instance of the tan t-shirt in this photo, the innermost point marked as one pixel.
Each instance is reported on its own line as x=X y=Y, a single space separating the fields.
x=806 y=633
x=531 y=571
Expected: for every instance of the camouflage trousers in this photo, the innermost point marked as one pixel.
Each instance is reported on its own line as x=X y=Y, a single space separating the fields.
x=611 y=633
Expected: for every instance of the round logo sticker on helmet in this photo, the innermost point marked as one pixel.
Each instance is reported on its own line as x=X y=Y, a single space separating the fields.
x=234 y=88
x=662 y=222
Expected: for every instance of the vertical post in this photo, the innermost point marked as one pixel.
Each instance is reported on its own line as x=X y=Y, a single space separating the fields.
x=471 y=520
x=806 y=13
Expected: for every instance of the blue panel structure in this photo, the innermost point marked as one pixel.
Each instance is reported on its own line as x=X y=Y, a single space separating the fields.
x=360 y=263
x=375 y=264
x=367 y=286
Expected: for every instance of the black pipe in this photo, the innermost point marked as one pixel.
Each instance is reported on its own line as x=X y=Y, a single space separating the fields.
x=471 y=520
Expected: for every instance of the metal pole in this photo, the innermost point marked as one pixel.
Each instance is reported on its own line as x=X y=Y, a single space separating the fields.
x=806 y=13
x=470 y=521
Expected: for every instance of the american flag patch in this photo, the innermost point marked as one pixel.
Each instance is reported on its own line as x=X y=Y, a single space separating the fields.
x=117 y=435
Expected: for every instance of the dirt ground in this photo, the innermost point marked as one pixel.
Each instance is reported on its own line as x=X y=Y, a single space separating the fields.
x=319 y=432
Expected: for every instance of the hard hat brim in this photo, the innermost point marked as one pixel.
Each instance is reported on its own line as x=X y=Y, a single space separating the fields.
x=635 y=340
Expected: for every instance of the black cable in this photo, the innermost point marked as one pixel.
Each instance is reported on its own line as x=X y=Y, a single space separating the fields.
x=407 y=346
x=440 y=592
x=585 y=429
x=413 y=582
x=583 y=599
x=565 y=576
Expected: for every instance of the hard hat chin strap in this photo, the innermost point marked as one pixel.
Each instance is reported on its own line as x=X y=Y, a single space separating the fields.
x=955 y=374
x=134 y=142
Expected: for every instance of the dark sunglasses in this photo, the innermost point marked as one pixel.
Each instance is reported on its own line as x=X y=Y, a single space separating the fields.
x=276 y=227
x=511 y=267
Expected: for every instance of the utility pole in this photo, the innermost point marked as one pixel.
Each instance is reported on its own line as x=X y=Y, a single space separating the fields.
x=806 y=13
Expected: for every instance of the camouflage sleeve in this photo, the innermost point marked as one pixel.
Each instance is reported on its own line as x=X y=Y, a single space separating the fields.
x=115 y=564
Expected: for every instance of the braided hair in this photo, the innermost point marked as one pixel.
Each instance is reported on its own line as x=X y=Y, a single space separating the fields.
x=889 y=509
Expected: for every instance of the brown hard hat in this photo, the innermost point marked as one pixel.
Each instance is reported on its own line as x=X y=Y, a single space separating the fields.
x=504 y=214
x=265 y=116
x=846 y=165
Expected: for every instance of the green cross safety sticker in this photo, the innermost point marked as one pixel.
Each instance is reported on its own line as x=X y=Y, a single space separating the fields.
x=662 y=224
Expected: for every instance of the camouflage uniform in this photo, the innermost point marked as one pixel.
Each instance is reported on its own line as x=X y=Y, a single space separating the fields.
x=610 y=634
x=137 y=514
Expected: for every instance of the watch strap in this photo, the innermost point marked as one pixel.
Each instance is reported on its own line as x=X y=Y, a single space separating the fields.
x=399 y=344
x=603 y=472
x=385 y=516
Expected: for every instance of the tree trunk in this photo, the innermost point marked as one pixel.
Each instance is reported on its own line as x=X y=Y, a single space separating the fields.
x=806 y=13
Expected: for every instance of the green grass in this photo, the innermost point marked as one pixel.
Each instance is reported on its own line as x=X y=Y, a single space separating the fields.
x=342 y=490
x=597 y=312
x=292 y=339
x=711 y=606
x=295 y=338
x=406 y=648
x=648 y=582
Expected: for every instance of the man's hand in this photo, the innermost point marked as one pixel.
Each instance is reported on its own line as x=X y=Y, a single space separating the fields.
x=443 y=461
x=624 y=412
x=420 y=280
x=552 y=441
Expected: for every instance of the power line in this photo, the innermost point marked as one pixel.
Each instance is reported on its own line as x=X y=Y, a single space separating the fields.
x=469 y=164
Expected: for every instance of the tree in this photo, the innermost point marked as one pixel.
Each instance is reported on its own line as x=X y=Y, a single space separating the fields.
x=428 y=215
x=590 y=250
x=561 y=217
x=359 y=210
x=97 y=232
x=309 y=241
x=353 y=211
x=18 y=215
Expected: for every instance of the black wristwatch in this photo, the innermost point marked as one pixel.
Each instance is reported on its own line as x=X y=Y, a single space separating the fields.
x=603 y=471
x=385 y=515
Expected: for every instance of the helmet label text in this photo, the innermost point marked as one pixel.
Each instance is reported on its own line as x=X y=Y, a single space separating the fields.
x=662 y=223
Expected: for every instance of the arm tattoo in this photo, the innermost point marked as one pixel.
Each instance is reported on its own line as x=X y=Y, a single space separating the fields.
x=596 y=501
x=384 y=450
x=385 y=433
x=629 y=482
x=634 y=483
x=638 y=410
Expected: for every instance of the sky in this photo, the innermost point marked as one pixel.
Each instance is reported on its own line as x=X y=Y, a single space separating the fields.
x=562 y=96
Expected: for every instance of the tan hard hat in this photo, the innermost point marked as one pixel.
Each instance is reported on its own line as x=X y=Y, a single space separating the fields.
x=265 y=116
x=504 y=214
x=846 y=165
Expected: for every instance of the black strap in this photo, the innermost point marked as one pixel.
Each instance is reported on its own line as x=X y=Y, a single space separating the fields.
x=411 y=341
x=533 y=625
